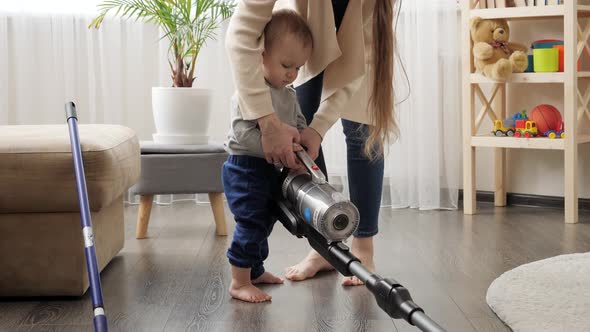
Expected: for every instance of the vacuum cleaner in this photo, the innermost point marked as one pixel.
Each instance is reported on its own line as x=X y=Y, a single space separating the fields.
x=100 y=319
x=310 y=207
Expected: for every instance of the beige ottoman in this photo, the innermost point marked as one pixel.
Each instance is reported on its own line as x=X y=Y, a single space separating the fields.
x=41 y=246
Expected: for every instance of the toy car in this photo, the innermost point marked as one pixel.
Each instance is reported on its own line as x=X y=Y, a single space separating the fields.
x=555 y=133
x=504 y=128
x=517 y=125
x=526 y=128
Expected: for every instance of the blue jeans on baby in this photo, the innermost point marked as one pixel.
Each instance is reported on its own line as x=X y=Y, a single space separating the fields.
x=249 y=184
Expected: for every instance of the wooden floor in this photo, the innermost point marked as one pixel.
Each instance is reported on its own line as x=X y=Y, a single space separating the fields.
x=177 y=279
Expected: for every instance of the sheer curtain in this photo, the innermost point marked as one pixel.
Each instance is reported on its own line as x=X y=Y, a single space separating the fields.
x=424 y=166
x=422 y=169
x=50 y=57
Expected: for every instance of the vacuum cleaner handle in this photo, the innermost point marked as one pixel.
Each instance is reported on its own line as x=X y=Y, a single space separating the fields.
x=317 y=175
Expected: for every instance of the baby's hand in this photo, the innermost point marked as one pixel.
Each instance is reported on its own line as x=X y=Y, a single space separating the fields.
x=299 y=165
x=297 y=147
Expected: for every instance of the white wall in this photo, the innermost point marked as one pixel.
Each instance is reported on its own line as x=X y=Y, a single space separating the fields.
x=538 y=172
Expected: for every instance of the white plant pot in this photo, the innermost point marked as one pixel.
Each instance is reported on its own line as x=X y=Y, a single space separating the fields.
x=181 y=115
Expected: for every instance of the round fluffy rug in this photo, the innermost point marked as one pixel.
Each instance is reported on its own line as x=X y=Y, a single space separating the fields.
x=548 y=295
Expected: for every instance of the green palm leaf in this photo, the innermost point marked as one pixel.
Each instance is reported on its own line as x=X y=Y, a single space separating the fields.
x=186 y=24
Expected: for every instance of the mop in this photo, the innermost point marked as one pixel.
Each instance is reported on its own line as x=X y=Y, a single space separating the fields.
x=100 y=319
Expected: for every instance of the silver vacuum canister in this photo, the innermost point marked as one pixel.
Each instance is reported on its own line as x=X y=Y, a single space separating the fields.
x=319 y=204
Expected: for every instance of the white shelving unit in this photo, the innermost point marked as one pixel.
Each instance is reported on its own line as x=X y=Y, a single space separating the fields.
x=575 y=101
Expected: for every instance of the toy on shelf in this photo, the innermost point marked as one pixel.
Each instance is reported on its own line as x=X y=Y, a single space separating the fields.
x=547 y=55
x=526 y=128
x=548 y=120
x=494 y=55
x=517 y=125
x=504 y=128
x=555 y=133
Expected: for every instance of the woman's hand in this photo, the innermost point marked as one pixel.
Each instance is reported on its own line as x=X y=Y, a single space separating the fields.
x=311 y=140
x=277 y=141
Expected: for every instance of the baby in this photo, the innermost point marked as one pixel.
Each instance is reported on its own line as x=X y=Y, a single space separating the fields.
x=249 y=181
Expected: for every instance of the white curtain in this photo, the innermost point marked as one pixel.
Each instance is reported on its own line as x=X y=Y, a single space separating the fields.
x=424 y=167
x=47 y=59
x=49 y=56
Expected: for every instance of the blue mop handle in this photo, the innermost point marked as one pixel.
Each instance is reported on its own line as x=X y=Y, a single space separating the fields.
x=100 y=320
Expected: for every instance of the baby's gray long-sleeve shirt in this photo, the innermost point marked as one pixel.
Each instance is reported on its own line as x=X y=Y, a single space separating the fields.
x=244 y=136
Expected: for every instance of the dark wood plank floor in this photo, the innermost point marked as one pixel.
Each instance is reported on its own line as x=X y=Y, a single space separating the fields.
x=177 y=279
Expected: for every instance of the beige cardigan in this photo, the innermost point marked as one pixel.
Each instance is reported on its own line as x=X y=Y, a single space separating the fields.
x=346 y=58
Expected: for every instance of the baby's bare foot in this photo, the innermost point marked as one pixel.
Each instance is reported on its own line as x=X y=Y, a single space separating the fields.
x=267 y=278
x=248 y=293
x=242 y=288
x=308 y=267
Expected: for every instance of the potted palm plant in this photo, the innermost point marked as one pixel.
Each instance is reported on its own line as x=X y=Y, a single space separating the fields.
x=181 y=112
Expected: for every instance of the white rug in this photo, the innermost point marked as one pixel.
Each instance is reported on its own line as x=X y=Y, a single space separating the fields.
x=548 y=295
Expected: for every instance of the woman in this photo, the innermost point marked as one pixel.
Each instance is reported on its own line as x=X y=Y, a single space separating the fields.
x=349 y=76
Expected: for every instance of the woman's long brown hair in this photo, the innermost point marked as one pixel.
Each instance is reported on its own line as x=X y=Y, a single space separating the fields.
x=381 y=104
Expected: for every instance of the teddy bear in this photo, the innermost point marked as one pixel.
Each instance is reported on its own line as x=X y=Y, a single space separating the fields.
x=494 y=56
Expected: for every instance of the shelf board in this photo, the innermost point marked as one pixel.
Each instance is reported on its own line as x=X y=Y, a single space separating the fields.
x=523 y=78
x=518 y=143
x=583 y=138
x=514 y=13
x=541 y=143
x=525 y=13
x=529 y=77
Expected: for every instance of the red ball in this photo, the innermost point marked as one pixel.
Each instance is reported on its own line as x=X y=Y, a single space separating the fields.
x=547 y=118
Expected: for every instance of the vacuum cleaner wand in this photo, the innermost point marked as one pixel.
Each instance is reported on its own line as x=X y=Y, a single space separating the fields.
x=391 y=296
x=299 y=194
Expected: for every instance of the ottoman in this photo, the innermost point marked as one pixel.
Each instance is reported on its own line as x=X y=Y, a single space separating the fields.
x=180 y=169
x=41 y=245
